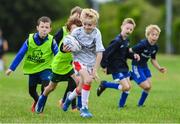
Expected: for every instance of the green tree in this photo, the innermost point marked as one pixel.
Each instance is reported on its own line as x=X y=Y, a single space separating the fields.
x=18 y=18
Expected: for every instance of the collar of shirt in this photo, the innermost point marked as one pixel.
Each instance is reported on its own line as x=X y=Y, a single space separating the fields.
x=39 y=40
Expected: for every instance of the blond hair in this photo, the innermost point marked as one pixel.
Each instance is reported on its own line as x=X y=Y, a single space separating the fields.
x=151 y=27
x=90 y=14
x=129 y=21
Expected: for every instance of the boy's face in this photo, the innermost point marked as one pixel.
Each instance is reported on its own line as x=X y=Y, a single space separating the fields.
x=153 y=36
x=127 y=29
x=43 y=28
x=88 y=25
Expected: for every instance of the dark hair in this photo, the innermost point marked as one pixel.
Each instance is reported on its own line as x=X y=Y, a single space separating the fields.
x=43 y=19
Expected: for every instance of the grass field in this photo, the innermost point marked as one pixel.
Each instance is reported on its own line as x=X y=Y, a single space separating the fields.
x=162 y=105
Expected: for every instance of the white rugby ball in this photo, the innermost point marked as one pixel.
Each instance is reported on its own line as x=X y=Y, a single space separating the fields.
x=72 y=43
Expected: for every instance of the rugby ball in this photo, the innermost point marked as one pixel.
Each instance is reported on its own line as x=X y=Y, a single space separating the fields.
x=72 y=43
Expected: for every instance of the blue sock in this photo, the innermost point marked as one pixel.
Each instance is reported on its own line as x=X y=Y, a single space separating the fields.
x=42 y=100
x=123 y=98
x=143 y=98
x=79 y=104
x=110 y=85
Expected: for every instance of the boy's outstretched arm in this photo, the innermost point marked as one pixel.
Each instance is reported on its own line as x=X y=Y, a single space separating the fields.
x=157 y=66
x=18 y=58
x=54 y=47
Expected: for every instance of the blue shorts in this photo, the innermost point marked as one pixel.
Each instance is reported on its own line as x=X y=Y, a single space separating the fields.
x=121 y=75
x=40 y=77
x=140 y=74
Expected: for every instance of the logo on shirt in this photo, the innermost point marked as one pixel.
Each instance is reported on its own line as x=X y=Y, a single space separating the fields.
x=36 y=57
x=154 y=51
x=121 y=46
x=145 y=51
x=146 y=56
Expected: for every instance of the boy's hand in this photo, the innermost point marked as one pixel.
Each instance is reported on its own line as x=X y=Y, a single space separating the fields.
x=8 y=72
x=137 y=57
x=162 y=69
x=94 y=74
x=66 y=48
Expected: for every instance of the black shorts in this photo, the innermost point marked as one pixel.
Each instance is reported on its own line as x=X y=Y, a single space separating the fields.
x=55 y=78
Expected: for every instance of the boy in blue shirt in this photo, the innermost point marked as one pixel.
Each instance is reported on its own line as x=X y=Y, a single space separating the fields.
x=115 y=62
x=146 y=48
x=38 y=51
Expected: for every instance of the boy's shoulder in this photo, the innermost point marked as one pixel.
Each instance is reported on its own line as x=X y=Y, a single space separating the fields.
x=144 y=42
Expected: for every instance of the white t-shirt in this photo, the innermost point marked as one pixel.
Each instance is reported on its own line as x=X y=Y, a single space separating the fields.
x=91 y=44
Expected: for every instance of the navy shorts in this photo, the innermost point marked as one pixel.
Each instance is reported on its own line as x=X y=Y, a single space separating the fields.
x=140 y=74
x=40 y=77
x=121 y=75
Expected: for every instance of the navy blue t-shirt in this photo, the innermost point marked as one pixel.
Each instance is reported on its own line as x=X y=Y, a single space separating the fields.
x=145 y=51
x=115 y=56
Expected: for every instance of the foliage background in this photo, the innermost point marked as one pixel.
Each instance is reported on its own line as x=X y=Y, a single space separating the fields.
x=18 y=18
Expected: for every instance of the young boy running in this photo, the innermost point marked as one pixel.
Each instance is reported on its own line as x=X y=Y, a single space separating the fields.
x=146 y=48
x=115 y=62
x=75 y=12
x=38 y=51
x=87 y=60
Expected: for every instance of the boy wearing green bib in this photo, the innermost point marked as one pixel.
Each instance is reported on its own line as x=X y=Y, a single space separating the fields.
x=61 y=66
x=38 y=51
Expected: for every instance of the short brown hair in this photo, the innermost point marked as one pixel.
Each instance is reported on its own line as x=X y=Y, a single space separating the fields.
x=73 y=21
x=76 y=9
x=44 y=19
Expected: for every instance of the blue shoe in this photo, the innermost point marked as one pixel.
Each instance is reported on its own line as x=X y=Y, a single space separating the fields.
x=101 y=88
x=66 y=104
x=85 y=113
x=40 y=104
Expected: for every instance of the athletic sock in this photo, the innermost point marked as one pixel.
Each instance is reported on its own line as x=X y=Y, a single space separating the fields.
x=123 y=98
x=112 y=85
x=79 y=102
x=85 y=95
x=143 y=98
x=73 y=95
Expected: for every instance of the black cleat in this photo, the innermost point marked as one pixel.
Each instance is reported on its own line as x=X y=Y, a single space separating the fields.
x=101 y=88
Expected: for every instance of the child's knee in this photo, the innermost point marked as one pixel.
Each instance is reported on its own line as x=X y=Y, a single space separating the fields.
x=88 y=81
x=147 y=87
x=126 y=88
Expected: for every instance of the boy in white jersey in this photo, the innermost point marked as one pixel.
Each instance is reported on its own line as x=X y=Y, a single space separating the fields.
x=87 y=60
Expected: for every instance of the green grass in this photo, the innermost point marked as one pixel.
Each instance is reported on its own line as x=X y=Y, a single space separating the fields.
x=162 y=105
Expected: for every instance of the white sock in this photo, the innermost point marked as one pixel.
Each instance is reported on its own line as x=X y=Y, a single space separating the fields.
x=127 y=92
x=120 y=87
x=85 y=97
x=73 y=95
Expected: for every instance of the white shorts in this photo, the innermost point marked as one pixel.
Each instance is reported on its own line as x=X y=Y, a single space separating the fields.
x=78 y=66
